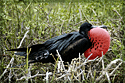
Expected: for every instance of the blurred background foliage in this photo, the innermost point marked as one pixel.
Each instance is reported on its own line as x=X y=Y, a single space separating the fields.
x=48 y=18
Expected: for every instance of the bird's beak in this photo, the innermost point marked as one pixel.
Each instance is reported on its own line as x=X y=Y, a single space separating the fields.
x=102 y=26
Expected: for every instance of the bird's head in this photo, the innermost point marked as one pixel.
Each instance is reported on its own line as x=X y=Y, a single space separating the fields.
x=85 y=27
x=98 y=36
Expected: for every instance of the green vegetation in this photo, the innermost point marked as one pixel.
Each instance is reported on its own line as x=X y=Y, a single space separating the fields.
x=46 y=19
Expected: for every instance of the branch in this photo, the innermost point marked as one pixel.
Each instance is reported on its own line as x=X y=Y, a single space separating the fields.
x=62 y=64
x=47 y=76
x=108 y=66
x=12 y=59
x=24 y=77
x=23 y=37
x=118 y=14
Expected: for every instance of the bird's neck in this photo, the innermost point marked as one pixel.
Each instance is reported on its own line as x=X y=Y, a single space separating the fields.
x=84 y=34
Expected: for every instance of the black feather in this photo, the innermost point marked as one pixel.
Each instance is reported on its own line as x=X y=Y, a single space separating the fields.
x=68 y=45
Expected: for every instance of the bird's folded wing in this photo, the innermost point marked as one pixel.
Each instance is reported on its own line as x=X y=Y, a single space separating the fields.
x=63 y=41
x=78 y=46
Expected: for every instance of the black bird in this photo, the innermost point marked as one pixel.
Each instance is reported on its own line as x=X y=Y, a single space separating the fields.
x=68 y=45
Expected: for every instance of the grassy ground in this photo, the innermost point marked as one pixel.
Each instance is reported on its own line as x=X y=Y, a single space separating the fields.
x=44 y=20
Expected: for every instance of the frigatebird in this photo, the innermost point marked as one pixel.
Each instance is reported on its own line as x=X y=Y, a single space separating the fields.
x=68 y=45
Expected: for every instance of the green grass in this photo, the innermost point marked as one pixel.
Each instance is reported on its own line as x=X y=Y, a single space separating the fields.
x=46 y=19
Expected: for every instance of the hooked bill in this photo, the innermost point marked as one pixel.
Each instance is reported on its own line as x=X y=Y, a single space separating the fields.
x=100 y=39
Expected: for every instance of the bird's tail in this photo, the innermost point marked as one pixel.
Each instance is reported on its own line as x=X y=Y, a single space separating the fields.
x=19 y=49
x=37 y=53
x=21 y=53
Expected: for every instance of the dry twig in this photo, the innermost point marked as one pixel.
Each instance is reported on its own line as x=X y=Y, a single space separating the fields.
x=12 y=59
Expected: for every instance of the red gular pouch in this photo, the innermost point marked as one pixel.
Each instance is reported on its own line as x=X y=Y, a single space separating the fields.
x=100 y=39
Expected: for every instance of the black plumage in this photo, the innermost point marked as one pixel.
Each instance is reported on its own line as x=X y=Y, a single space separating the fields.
x=68 y=45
